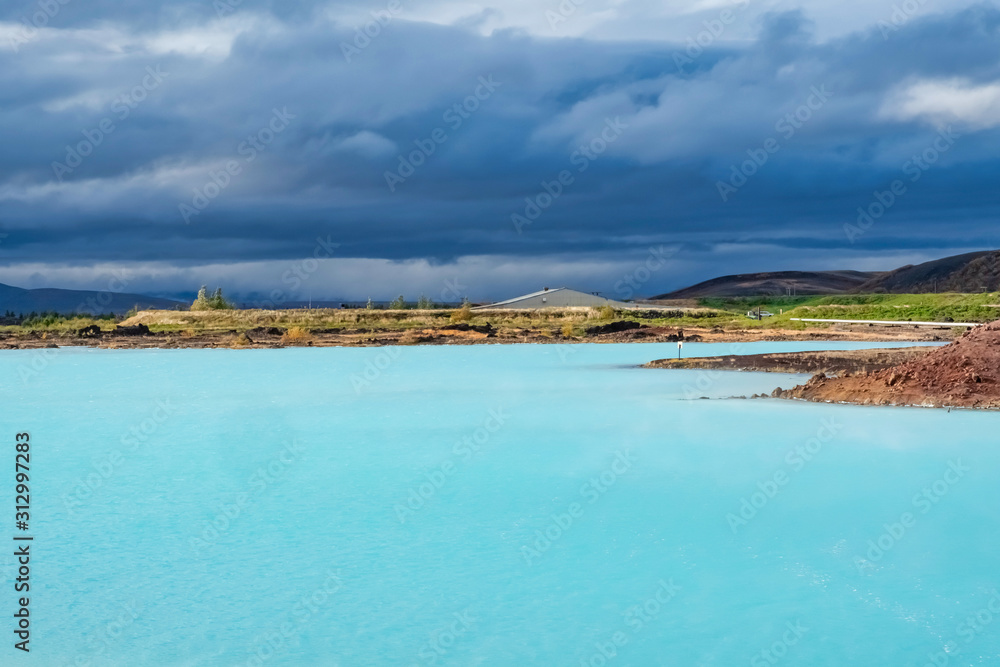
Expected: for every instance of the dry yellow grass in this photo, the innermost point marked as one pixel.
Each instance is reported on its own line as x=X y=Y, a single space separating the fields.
x=411 y=338
x=296 y=336
x=208 y=320
x=240 y=340
x=463 y=314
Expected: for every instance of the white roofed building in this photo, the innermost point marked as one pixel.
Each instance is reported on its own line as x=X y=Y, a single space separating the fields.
x=559 y=297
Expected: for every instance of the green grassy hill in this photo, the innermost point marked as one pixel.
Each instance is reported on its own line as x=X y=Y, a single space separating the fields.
x=901 y=307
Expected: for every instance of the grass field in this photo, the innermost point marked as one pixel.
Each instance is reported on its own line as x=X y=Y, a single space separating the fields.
x=726 y=314
x=902 y=307
x=378 y=320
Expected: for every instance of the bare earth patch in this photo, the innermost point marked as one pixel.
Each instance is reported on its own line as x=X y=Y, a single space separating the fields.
x=834 y=362
x=963 y=374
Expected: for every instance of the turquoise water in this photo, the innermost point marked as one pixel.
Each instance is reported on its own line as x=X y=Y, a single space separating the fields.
x=489 y=505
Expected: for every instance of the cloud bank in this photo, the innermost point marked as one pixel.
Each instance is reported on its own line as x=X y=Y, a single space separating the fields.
x=504 y=146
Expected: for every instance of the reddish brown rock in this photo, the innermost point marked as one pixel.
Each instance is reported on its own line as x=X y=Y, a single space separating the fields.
x=963 y=374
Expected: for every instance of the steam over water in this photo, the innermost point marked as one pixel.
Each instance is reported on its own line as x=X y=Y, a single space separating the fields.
x=491 y=505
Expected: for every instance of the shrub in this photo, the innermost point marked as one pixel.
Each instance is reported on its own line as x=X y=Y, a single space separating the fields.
x=399 y=303
x=567 y=331
x=296 y=336
x=463 y=314
x=241 y=340
x=607 y=313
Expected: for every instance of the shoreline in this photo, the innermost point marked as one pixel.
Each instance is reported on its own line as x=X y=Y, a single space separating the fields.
x=857 y=404
x=230 y=340
x=872 y=376
x=829 y=362
x=141 y=337
x=963 y=374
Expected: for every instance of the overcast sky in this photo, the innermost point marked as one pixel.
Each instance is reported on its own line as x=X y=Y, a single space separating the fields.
x=448 y=147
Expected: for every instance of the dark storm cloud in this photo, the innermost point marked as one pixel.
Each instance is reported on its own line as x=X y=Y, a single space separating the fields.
x=654 y=136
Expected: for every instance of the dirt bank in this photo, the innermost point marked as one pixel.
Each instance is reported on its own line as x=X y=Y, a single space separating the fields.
x=964 y=374
x=837 y=362
x=361 y=327
x=131 y=337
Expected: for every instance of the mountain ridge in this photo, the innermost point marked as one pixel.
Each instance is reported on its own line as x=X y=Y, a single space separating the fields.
x=968 y=272
x=85 y=302
x=776 y=283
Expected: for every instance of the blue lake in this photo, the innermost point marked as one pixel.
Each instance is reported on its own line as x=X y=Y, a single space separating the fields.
x=490 y=505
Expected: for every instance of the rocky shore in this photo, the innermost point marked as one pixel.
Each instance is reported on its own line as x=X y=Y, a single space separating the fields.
x=136 y=335
x=964 y=374
x=834 y=362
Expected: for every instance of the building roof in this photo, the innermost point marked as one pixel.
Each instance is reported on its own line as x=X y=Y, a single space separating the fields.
x=564 y=292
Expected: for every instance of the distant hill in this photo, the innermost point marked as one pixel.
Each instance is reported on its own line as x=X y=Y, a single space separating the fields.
x=777 y=283
x=24 y=301
x=971 y=272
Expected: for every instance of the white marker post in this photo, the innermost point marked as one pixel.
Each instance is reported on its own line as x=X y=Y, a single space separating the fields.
x=680 y=344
